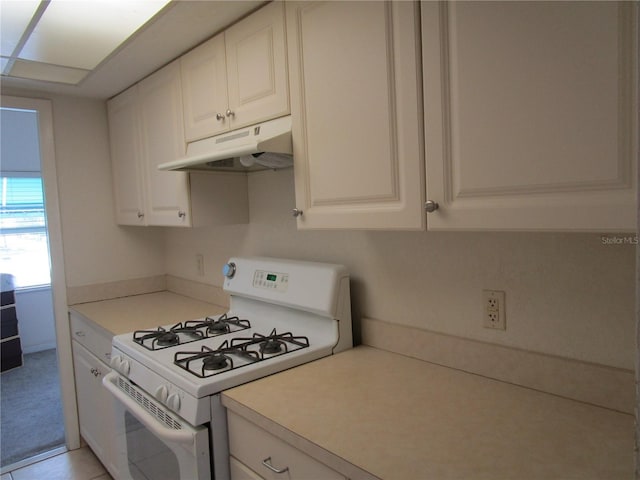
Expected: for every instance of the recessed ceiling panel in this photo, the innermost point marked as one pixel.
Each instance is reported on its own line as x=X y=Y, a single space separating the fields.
x=49 y=73
x=14 y=18
x=82 y=33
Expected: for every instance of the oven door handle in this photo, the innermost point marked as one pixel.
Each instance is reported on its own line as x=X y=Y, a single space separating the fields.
x=186 y=435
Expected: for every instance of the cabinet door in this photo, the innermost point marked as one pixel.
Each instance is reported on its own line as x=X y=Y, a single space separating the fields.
x=529 y=115
x=162 y=133
x=356 y=114
x=93 y=404
x=125 y=151
x=204 y=90
x=257 y=67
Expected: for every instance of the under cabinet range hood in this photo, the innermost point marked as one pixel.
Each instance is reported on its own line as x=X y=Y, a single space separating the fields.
x=261 y=146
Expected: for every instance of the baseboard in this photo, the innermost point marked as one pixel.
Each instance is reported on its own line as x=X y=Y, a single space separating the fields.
x=600 y=385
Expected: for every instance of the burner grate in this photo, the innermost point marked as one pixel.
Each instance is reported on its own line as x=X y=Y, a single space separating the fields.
x=163 y=338
x=188 y=332
x=238 y=353
x=219 y=326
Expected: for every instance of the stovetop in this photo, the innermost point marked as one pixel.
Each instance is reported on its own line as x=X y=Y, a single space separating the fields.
x=203 y=363
x=197 y=350
x=283 y=313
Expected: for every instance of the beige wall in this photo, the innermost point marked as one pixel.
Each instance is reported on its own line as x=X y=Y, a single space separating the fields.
x=567 y=294
x=96 y=250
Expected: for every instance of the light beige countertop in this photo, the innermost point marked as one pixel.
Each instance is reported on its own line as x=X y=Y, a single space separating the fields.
x=367 y=411
x=137 y=312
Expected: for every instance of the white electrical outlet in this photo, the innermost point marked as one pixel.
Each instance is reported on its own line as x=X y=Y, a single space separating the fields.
x=200 y=264
x=493 y=309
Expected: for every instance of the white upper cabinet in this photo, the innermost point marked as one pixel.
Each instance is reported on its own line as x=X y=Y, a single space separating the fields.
x=238 y=77
x=204 y=90
x=356 y=112
x=529 y=115
x=162 y=139
x=146 y=129
x=124 y=137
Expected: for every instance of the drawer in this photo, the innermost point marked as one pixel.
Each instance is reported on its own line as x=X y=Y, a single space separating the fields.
x=239 y=471
x=91 y=337
x=8 y=322
x=11 y=354
x=251 y=445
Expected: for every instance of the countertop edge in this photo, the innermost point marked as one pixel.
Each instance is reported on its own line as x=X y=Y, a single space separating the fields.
x=320 y=454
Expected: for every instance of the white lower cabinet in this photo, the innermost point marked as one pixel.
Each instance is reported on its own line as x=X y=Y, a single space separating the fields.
x=256 y=454
x=91 y=348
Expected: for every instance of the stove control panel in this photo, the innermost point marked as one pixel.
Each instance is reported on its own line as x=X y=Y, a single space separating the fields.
x=278 y=282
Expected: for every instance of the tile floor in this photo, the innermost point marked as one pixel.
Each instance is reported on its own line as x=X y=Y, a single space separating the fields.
x=79 y=464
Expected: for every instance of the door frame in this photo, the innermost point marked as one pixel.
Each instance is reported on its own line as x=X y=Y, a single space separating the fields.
x=56 y=253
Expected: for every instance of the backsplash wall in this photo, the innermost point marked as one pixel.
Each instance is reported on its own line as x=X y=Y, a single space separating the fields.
x=567 y=294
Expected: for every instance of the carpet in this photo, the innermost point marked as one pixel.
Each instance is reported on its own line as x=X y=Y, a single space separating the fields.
x=31 y=419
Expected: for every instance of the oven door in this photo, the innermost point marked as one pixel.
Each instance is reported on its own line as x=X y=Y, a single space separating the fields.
x=152 y=443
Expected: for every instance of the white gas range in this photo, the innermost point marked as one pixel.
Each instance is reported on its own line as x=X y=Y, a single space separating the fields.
x=167 y=381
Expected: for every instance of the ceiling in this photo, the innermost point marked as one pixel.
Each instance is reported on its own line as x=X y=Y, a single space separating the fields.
x=179 y=27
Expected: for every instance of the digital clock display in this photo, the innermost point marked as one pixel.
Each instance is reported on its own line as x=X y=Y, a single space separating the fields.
x=271 y=277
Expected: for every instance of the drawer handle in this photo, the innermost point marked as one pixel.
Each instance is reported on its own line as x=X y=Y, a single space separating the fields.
x=80 y=333
x=267 y=463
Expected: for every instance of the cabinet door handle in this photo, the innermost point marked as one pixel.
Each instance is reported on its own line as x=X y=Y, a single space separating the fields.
x=80 y=333
x=140 y=214
x=182 y=214
x=431 y=206
x=267 y=463
x=230 y=113
x=220 y=116
x=296 y=212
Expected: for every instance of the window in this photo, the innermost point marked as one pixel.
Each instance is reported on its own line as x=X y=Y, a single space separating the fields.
x=24 y=248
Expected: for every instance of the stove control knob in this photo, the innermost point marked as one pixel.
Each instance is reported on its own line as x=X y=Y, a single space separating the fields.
x=229 y=269
x=162 y=392
x=173 y=402
x=120 y=364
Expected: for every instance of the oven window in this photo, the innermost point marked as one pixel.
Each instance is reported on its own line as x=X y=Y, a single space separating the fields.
x=148 y=458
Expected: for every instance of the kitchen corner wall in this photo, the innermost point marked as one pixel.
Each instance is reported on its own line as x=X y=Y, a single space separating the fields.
x=96 y=250
x=567 y=294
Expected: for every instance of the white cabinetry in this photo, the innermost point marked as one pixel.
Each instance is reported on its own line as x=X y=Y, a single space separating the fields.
x=124 y=137
x=145 y=124
x=162 y=139
x=529 y=115
x=256 y=454
x=91 y=351
x=237 y=78
x=146 y=129
x=355 y=106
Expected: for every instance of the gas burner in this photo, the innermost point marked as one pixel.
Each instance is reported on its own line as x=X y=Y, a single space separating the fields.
x=271 y=345
x=214 y=327
x=162 y=338
x=167 y=339
x=215 y=361
x=208 y=362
